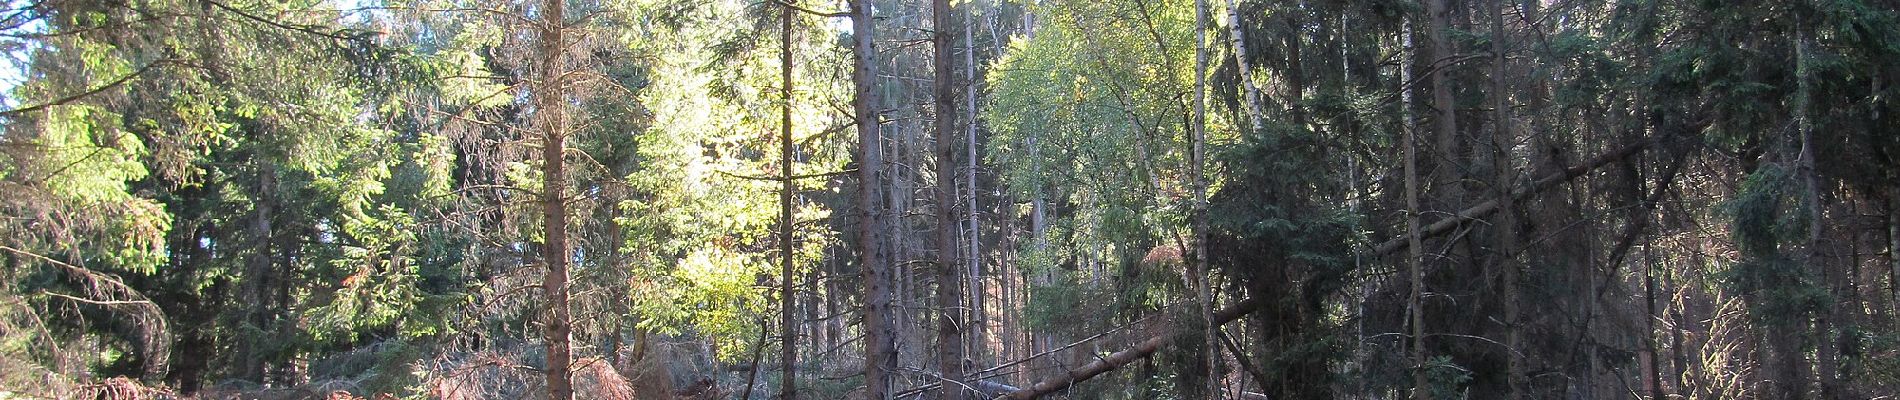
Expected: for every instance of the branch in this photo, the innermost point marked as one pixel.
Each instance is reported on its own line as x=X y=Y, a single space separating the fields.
x=786 y=4
x=794 y=177
x=81 y=95
x=99 y=302
x=307 y=29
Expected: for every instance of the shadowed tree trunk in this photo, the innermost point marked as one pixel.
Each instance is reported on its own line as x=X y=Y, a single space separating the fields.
x=950 y=310
x=788 y=305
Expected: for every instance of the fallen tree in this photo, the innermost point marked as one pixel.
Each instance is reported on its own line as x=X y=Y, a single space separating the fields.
x=1233 y=312
x=1112 y=361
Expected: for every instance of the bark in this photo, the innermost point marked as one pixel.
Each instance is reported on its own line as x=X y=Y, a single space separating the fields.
x=1893 y=247
x=1828 y=362
x=880 y=348
x=1413 y=256
x=257 y=271
x=950 y=319
x=1501 y=145
x=1446 y=170
x=973 y=258
x=551 y=104
x=1199 y=171
x=1239 y=37
x=788 y=322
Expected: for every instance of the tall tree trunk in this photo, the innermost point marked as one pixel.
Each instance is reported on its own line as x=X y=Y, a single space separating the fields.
x=1199 y=177
x=788 y=304
x=1414 y=255
x=950 y=320
x=1826 y=365
x=1446 y=168
x=551 y=107
x=973 y=256
x=257 y=276
x=1502 y=141
x=880 y=348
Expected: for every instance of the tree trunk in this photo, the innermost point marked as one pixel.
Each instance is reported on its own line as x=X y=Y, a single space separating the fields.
x=1414 y=257
x=1827 y=353
x=257 y=270
x=550 y=103
x=973 y=257
x=788 y=303
x=880 y=349
x=1199 y=176
x=1239 y=37
x=950 y=318
x=1446 y=170
x=1502 y=141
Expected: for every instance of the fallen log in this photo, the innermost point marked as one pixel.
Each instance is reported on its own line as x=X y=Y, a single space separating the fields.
x=1112 y=361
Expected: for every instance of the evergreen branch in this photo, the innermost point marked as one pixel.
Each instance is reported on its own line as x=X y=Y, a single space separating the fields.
x=795 y=7
x=307 y=29
x=89 y=92
x=794 y=177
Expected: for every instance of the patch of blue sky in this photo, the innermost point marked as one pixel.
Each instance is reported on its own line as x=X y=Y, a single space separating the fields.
x=20 y=22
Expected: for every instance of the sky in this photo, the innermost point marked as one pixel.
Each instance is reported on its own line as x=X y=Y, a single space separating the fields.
x=12 y=70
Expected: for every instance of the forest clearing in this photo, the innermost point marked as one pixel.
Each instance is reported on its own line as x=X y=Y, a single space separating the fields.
x=951 y=200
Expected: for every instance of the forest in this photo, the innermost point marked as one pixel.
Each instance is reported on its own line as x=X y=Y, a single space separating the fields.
x=949 y=199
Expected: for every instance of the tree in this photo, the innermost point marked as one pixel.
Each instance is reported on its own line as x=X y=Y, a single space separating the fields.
x=952 y=313
x=880 y=352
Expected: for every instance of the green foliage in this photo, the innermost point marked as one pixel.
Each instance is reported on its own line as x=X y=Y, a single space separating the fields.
x=1769 y=211
x=1446 y=379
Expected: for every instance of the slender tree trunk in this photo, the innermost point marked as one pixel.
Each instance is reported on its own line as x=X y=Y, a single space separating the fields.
x=1201 y=270
x=1826 y=365
x=1252 y=93
x=880 y=348
x=551 y=107
x=1414 y=256
x=1893 y=248
x=1649 y=332
x=788 y=322
x=1502 y=142
x=951 y=311
x=973 y=258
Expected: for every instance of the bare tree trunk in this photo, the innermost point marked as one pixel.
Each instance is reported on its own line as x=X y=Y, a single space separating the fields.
x=1206 y=279
x=950 y=318
x=788 y=323
x=1414 y=257
x=551 y=107
x=973 y=257
x=880 y=349
x=1502 y=141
